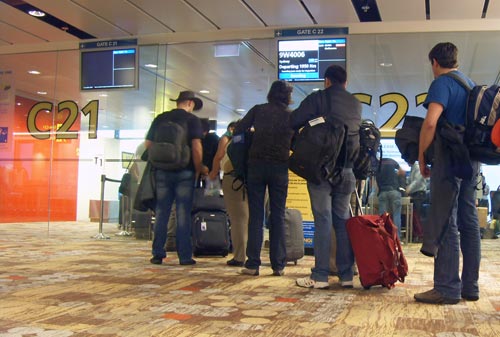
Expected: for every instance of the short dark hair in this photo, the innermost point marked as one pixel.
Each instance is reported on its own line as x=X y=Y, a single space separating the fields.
x=445 y=54
x=336 y=74
x=280 y=92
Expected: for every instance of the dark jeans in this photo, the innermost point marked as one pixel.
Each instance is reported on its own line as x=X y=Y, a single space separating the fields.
x=170 y=186
x=275 y=178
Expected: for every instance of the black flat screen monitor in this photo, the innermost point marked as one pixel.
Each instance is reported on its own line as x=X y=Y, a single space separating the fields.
x=109 y=69
x=306 y=60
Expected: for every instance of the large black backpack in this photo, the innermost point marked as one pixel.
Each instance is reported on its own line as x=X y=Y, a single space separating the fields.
x=367 y=162
x=483 y=111
x=169 y=150
x=237 y=151
x=315 y=150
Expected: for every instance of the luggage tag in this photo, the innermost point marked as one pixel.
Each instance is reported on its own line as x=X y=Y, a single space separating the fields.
x=203 y=226
x=317 y=121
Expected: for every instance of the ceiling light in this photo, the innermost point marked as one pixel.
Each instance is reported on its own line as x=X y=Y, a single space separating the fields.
x=41 y=92
x=103 y=95
x=239 y=110
x=204 y=92
x=34 y=72
x=36 y=13
x=386 y=64
x=150 y=65
x=316 y=89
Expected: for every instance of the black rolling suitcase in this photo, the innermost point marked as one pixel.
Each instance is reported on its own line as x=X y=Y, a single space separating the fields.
x=294 y=235
x=210 y=232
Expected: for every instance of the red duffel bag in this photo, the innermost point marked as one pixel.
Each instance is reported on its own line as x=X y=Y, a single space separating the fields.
x=377 y=250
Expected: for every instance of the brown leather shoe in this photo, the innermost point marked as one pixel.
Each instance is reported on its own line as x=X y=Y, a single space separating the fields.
x=434 y=297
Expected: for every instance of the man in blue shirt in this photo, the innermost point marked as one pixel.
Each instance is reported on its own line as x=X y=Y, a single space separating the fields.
x=453 y=211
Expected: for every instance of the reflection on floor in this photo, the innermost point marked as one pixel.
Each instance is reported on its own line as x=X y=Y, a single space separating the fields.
x=60 y=281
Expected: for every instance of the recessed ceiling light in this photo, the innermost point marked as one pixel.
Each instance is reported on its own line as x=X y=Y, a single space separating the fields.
x=150 y=65
x=19 y=103
x=36 y=13
x=386 y=64
x=240 y=110
x=204 y=92
x=41 y=92
x=34 y=72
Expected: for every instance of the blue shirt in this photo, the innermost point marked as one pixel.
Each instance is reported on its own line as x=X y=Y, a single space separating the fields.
x=451 y=95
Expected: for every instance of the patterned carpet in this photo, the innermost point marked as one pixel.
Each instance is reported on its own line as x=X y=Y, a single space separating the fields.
x=64 y=282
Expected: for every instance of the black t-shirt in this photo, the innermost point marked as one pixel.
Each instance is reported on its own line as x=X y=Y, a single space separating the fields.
x=184 y=118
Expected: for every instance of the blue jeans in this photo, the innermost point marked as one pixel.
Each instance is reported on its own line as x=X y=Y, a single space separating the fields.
x=331 y=205
x=461 y=233
x=390 y=201
x=173 y=186
x=275 y=178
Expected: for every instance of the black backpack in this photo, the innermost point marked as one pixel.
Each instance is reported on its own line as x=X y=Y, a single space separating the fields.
x=483 y=110
x=170 y=150
x=315 y=150
x=367 y=162
x=237 y=151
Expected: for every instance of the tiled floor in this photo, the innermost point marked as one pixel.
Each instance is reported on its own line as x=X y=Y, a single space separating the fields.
x=60 y=281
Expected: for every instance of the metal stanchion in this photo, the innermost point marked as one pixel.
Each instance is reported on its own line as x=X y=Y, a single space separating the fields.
x=125 y=207
x=101 y=235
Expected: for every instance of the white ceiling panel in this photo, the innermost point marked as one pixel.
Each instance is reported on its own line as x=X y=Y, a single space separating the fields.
x=280 y=12
x=29 y=24
x=332 y=12
x=176 y=15
x=397 y=10
x=79 y=17
x=451 y=10
x=493 y=10
x=124 y=15
x=11 y=35
x=227 y=13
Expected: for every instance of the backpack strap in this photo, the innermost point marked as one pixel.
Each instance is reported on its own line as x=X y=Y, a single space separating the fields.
x=459 y=79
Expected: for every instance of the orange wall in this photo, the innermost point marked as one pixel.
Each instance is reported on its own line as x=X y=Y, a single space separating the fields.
x=39 y=181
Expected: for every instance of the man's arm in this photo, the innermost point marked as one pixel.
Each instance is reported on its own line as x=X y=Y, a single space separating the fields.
x=197 y=153
x=306 y=111
x=427 y=134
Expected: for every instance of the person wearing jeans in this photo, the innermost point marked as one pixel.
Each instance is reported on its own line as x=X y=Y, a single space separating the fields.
x=268 y=168
x=453 y=226
x=330 y=200
x=389 y=196
x=331 y=206
x=176 y=185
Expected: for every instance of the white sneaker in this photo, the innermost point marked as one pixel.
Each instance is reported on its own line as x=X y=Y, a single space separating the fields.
x=307 y=282
x=346 y=284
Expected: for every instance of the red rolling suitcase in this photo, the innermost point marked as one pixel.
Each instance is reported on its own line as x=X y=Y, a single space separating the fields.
x=377 y=250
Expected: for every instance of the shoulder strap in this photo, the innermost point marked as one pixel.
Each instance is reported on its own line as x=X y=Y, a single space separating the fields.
x=459 y=79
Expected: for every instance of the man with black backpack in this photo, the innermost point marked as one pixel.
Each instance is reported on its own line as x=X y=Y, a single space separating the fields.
x=453 y=224
x=175 y=154
x=330 y=198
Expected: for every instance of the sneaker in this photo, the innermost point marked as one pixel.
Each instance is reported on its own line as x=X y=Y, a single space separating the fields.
x=187 y=263
x=471 y=298
x=156 y=260
x=248 y=271
x=434 y=297
x=347 y=284
x=235 y=263
x=308 y=282
x=278 y=272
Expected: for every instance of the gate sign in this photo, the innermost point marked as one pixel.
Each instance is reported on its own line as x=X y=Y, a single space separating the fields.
x=311 y=31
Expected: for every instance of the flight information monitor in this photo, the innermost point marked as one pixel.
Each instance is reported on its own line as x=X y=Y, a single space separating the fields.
x=306 y=60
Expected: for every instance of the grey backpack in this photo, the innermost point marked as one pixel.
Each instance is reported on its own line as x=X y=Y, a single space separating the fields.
x=170 y=150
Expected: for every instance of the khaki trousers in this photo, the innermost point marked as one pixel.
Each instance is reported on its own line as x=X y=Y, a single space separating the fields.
x=237 y=208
